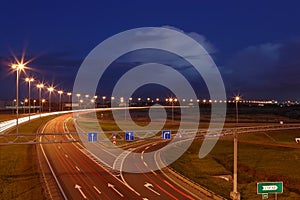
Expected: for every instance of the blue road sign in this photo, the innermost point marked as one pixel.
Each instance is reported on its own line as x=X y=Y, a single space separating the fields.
x=129 y=136
x=92 y=137
x=166 y=134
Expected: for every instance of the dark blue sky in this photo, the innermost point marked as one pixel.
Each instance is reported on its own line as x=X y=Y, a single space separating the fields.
x=255 y=44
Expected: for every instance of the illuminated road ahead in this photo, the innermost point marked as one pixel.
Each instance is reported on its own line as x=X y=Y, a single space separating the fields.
x=80 y=176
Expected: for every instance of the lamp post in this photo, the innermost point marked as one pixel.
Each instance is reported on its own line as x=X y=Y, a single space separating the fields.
x=14 y=105
x=78 y=96
x=40 y=86
x=50 y=90
x=60 y=92
x=69 y=95
x=18 y=67
x=25 y=101
x=43 y=101
x=103 y=99
x=171 y=100
x=29 y=80
x=111 y=101
x=34 y=101
x=235 y=195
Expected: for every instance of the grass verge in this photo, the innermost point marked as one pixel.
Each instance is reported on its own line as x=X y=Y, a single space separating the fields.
x=19 y=168
x=256 y=163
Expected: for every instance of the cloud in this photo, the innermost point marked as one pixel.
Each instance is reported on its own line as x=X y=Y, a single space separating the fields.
x=209 y=47
x=269 y=70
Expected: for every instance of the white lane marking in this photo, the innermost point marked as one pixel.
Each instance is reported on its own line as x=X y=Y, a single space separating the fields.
x=153 y=172
x=77 y=168
x=48 y=163
x=113 y=187
x=145 y=163
x=81 y=192
x=149 y=186
x=97 y=189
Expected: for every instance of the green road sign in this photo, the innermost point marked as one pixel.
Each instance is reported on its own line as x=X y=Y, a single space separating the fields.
x=269 y=187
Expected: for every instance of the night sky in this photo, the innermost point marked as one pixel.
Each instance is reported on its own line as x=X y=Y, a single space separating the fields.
x=255 y=44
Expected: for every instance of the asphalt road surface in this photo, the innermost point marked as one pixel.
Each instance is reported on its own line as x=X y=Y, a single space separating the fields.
x=80 y=176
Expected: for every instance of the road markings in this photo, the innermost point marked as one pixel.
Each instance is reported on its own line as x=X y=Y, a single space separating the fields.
x=145 y=163
x=66 y=156
x=81 y=192
x=97 y=189
x=149 y=186
x=154 y=172
x=113 y=187
x=77 y=168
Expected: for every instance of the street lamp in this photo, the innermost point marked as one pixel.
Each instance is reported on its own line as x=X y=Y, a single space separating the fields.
x=18 y=67
x=130 y=100
x=235 y=195
x=29 y=80
x=103 y=98
x=25 y=101
x=34 y=101
x=60 y=92
x=171 y=100
x=78 y=96
x=50 y=90
x=69 y=95
x=43 y=101
x=40 y=86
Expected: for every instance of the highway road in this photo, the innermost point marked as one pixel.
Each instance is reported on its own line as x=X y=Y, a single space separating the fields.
x=80 y=175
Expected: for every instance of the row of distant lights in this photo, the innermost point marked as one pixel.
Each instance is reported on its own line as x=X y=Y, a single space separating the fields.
x=51 y=89
x=170 y=100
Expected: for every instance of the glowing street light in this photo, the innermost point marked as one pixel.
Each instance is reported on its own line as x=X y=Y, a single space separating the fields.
x=50 y=90
x=171 y=100
x=103 y=99
x=29 y=80
x=18 y=68
x=34 y=101
x=235 y=195
x=40 y=86
x=78 y=98
x=43 y=101
x=69 y=95
x=60 y=92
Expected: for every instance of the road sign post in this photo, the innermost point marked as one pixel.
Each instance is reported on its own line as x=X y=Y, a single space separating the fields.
x=266 y=188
